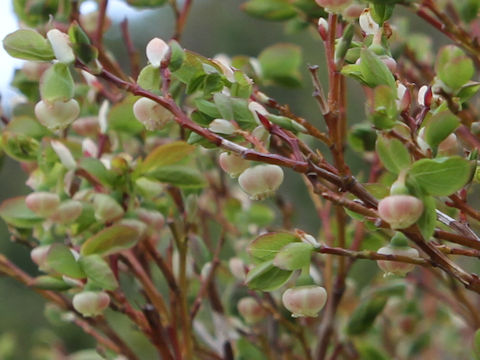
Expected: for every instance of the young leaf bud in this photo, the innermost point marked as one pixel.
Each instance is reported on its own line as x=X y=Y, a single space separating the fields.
x=222 y=126
x=305 y=300
x=398 y=246
x=39 y=256
x=368 y=25
x=67 y=212
x=57 y=115
x=64 y=154
x=157 y=50
x=91 y=303
x=151 y=114
x=43 y=204
x=403 y=98
x=232 y=164
x=106 y=208
x=425 y=96
x=251 y=311
x=237 y=268
x=261 y=181
x=400 y=211
x=61 y=46
x=86 y=126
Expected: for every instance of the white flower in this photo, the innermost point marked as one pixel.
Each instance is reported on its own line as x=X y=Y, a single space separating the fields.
x=61 y=46
x=157 y=50
x=368 y=25
x=66 y=157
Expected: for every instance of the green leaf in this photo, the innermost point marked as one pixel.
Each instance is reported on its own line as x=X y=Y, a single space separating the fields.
x=167 y=154
x=57 y=83
x=476 y=343
x=428 y=220
x=96 y=168
x=384 y=108
x=146 y=3
x=81 y=45
x=111 y=240
x=61 y=259
x=453 y=67
x=224 y=106
x=286 y=123
x=275 y=10
x=177 y=57
x=98 y=272
x=381 y=12
x=370 y=352
x=28 y=126
x=265 y=247
x=439 y=126
x=365 y=314
x=121 y=117
x=179 y=175
x=468 y=90
x=15 y=213
x=267 y=277
x=362 y=138
x=28 y=45
x=19 y=146
x=393 y=154
x=208 y=108
x=149 y=78
x=293 y=256
x=50 y=283
x=280 y=64
x=441 y=176
x=374 y=71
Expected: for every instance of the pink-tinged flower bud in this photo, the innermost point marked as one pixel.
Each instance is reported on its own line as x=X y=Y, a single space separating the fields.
x=352 y=12
x=39 y=256
x=86 y=126
x=425 y=96
x=222 y=126
x=390 y=62
x=67 y=212
x=251 y=311
x=368 y=25
x=157 y=50
x=305 y=300
x=91 y=303
x=398 y=246
x=255 y=108
x=232 y=164
x=261 y=181
x=237 y=268
x=61 y=46
x=151 y=114
x=322 y=28
x=106 y=208
x=154 y=219
x=449 y=146
x=400 y=211
x=333 y=5
x=57 y=115
x=403 y=98
x=43 y=204
x=89 y=148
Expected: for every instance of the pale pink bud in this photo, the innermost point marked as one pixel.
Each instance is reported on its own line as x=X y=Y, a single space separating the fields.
x=157 y=50
x=57 y=115
x=106 y=208
x=400 y=211
x=86 y=126
x=64 y=154
x=232 y=164
x=425 y=96
x=91 y=303
x=222 y=126
x=352 y=12
x=396 y=267
x=403 y=98
x=151 y=114
x=251 y=311
x=103 y=116
x=237 y=268
x=368 y=25
x=61 y=46
x=43 y=204
x=333 y=5
x=39 y=256
x=305 y=300
x=89 y=148
x=449 y=146
x=154 y=219
x=323 y=28
x=261 y=181
x=390 y=62
x=67 y=212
